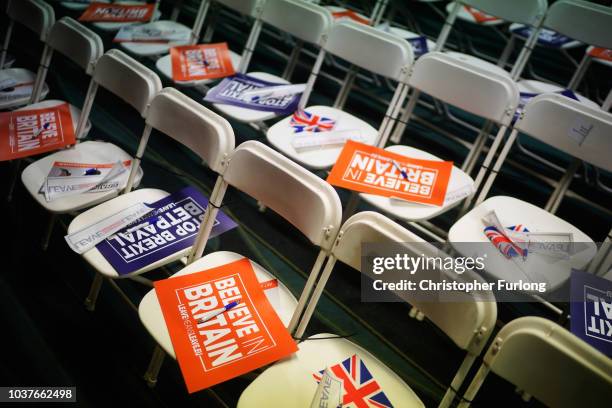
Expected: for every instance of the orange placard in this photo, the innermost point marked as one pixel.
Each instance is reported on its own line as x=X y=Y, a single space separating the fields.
x=352 y=15
x=369 y=169
x=213 y=345
x=118 y=13
x=601 y=53
x=33 y=131
x=204 y=61
x=479 y=16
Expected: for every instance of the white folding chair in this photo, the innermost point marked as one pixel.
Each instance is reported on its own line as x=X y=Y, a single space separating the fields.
x=110 y=26
x=571 y=127
x=491 y=96
x=301 y=198
x=184 y=120
x=304 y=21
x=584 y=21
x=528 y=12
x=467 y=321
x=250 y=8
x=37 y=16
x=116 y=72
x=546 y=361
x=387 y=55
x=151 y=49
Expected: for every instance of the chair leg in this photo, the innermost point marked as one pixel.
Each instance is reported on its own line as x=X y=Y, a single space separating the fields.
x=47 y=237
x=94 y=290
x=155 y=364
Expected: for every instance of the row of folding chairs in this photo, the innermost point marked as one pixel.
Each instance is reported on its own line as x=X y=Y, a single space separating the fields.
x=317 y=211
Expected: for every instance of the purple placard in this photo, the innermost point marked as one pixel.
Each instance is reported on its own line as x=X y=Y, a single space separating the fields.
x=419 y=45
x=178 y=217
x=591 y=310
x=525 y=97
x=546 y=37
x=230 y=91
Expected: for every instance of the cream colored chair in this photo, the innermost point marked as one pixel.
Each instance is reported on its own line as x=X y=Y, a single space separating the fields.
x=468 y=320
x=301 y=198
x=546 y=361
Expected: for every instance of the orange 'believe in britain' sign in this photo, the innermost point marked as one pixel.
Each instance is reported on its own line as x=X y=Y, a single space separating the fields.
x=211 y=344
x=204 y=61
x=118 y=13
x=601 y=53
x=33 y=131
x=369 y=169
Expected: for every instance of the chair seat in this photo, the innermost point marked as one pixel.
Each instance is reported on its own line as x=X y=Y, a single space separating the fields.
x=479 y=63
x=15 y=97
x=546 y=38
x=604 y=61
x=281 y=134
x=409 y=211
x=71 y=5
x=290 y=384
x=465 y=15
x=149 y=310
x=250 y=115
x=108 y=208
x=36 y=173
x=110 y=27
x=164 y=66
x=147 y=49
x=533 y=86
x=538 y=267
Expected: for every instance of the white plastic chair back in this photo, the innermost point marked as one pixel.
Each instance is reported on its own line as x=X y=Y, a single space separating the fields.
x=468 y=323
x=308 y=22
x=306 y=201
x=584 y=21
x=204 y=132
x=246 y=7
x=127 y=78
x=481 y=92
x=517 y=11
x=545 y=360
x=76 y=42
x=369 y=48
x=36 y=15
x=570 y=126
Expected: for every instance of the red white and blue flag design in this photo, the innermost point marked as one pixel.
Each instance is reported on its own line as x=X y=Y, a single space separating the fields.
x=303 y=121
x=505 y=245
x=361 y=390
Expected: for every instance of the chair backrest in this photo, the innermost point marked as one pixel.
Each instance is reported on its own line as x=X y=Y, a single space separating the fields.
x=481 y=92
x=36 y=15
x=547 y=361
x=306 y=201
x=369 y=48
x=468 y=322
x=127 y=78
x=246 y=7
x=570 y=126
x=516 y=11
x=191 y=124
x=581 y=20
x=76 y=42
x=306 y=21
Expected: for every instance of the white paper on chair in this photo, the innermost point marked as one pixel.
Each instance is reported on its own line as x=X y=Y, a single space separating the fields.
x=7 y=81
x=145 y=33
x=329 y=392
x=334 y=138
x=19 y=91
x=451 y=197
x=88 y=237
x=279 y=91
x=68 y=179
x=554 y=244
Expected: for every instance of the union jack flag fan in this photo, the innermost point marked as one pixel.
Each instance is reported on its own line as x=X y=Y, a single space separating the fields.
x=505 y=245
x=361 y=390
x=303 y=121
